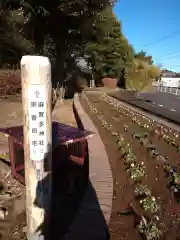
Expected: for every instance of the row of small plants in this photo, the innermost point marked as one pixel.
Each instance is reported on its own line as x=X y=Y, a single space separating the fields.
x=145 y=141
x=150 y=147
x=171 y=171
x=147 y=228
x=169 y=136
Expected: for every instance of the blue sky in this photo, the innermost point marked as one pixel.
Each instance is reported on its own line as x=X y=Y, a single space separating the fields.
x=147 y=22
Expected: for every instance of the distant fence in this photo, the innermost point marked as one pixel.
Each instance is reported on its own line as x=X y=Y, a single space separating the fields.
x=159 y=87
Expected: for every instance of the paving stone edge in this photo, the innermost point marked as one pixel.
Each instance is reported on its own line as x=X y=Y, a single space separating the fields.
x=100 y=173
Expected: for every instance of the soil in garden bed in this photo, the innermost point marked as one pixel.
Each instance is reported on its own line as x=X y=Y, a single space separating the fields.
x=121 y=227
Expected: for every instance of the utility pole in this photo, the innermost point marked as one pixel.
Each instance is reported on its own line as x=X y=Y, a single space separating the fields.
x=37 y=119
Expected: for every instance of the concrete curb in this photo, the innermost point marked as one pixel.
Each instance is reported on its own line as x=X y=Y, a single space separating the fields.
x=91 y=220
x=100 y=173
x=94 y=213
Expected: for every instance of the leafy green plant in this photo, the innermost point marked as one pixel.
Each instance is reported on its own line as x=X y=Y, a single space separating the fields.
x=139 y=135
x=130 y=158
x=120 y=138
x=125 y=127
x=170 y=140
x=176 y=178
x=168 y=169
x=142 y=190
x=178 y=148
x=149 y=230
x=137 y=172
x=109 y=128
x=149 y=204
x=126 y=149
x=174 y=184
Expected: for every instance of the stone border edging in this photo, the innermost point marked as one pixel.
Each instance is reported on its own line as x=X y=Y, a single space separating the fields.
x=169 y=116
x=100 y=173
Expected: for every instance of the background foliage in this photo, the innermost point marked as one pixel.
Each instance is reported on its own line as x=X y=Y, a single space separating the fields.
x=66 y=31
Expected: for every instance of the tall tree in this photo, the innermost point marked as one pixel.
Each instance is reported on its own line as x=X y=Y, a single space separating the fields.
x=142 y=74
x=12 y=43
x=110 y=55
x=65 y=25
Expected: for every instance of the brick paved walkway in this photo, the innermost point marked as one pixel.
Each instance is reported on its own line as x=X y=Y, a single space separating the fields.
x=95 y=211
x=99 y=168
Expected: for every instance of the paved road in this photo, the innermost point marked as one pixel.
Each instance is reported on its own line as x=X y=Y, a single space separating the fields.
x=164 y=105
x=167 y=101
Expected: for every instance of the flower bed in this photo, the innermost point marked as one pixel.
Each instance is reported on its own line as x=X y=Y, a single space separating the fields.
x=145 y=169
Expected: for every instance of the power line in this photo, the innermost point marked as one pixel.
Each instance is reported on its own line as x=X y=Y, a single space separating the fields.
x=162 y=39
x=170 y=57
x=170 y=53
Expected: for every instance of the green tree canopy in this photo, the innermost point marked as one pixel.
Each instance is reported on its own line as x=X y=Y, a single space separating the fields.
x=59 y=29
x=12 y=43
x=67 y=30
x=112 y=53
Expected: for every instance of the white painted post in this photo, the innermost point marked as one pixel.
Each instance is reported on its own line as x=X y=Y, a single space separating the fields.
x=177 y=89
x=93 y=84
x=162 y=90
x=158 y=85
x=37 y=117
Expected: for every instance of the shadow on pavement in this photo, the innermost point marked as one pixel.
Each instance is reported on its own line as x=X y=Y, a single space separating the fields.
x=76 y=213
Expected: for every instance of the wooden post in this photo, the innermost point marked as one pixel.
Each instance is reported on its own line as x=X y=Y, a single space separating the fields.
x=37 y=117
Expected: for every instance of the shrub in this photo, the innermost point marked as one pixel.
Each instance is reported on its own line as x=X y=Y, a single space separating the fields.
x=10 y=82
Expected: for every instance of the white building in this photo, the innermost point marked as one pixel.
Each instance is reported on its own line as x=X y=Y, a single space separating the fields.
x=172 y=82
